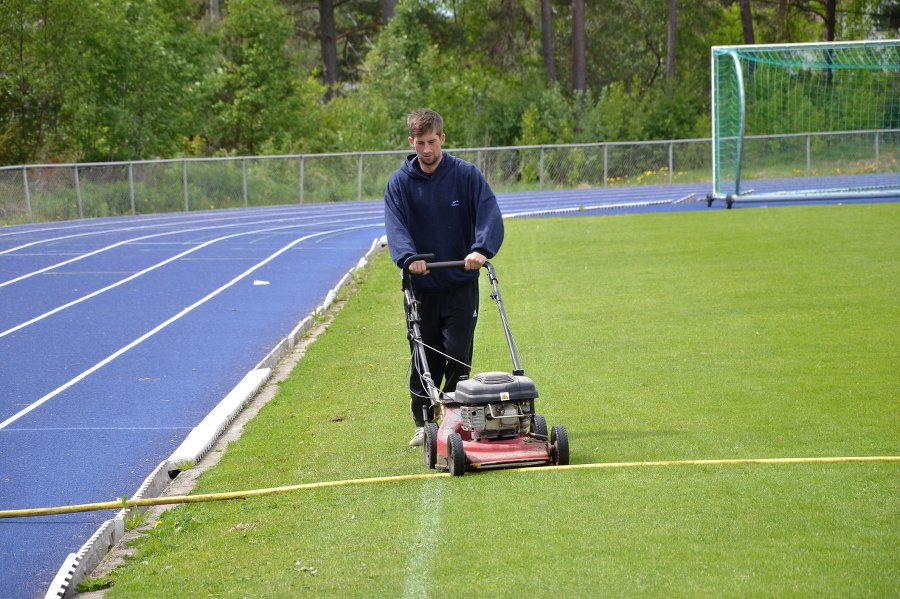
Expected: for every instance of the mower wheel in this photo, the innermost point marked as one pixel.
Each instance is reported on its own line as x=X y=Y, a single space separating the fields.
x=559 y=445
x=457 y=457
x=539 y=425
x=431 y=431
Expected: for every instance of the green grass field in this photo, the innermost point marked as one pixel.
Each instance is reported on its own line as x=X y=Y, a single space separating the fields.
x=749 y=333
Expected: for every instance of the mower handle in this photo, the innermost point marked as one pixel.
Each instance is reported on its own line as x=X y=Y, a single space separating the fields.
x=492 y=276
x=427 y=258
x=432 y=265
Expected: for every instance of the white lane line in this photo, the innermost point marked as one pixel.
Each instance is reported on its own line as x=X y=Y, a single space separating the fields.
x=269 y=217
x=145 y=271
x=147 y=221
x=163 y=325
x=424 y=546
x=57 y=429
x=142 y=238
x=90 y=224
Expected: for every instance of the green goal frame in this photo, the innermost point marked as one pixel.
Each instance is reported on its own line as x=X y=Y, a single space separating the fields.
x=806 y=121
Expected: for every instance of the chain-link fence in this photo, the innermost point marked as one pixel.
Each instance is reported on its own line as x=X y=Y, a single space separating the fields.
x=41 y=193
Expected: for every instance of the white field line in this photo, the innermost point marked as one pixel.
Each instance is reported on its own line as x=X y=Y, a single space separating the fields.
x=163 y=325
x=424 y=546
x=146 y=270
x=573 y=209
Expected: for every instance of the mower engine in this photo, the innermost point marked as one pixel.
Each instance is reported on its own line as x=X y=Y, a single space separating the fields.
x=496 y=405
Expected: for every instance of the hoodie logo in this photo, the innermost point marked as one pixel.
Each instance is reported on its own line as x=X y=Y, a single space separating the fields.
x=454 y=203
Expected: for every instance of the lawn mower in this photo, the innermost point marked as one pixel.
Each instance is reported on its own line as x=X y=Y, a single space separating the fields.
x=490 y=420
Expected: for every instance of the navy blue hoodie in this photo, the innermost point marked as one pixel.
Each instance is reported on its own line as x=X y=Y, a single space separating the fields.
x=449 y=214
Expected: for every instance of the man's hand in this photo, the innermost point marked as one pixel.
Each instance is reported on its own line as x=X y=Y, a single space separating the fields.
x=474 y=261
x=418 y=268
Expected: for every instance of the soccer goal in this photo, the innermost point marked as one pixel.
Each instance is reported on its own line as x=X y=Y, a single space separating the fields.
x=805 y=121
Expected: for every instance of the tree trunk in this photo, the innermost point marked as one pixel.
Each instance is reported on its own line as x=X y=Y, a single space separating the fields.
x=388 y=10
x=670 y=55
x=328 y=41
x=547 y=39
x=829 y=37
x=214 y=8
x=579 y=51
x=747 y=22
x=830 y=19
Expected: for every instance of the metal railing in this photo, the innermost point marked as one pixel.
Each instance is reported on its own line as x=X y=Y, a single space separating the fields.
x=51 y=192
x=42 y=193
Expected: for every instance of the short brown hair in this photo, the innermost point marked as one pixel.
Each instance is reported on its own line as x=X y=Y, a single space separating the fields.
x=424 y=121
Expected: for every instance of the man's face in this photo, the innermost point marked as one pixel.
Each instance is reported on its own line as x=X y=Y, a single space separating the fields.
x=428 y=149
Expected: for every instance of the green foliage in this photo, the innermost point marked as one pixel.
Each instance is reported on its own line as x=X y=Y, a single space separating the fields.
x=547 y=121
x=89 y=585
x=39 y=60
x=673 y=114
x=144 y=64
x=109 y=80
x=257 y=100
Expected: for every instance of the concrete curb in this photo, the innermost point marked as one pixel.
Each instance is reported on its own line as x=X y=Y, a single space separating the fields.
x=204 y=436
x=198 y=442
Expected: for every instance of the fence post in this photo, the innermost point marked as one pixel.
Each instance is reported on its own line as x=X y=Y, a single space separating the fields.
x=808 y=157
x=359 y=184
x=244 y=180
x=671 y=161
x=184 y=183
x=541 y=175
x=302 y=176
x=877 y=150
x=605 y=165
x=27 y=195
x=131 y=186
x=78 y=193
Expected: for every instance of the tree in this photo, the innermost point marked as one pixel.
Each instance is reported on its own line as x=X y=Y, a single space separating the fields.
x=747 y=22
x=670 y=48
x=258 y=102
x=547 y=40
x=579 y=51
x=38 y=57
x=120 y=80
x=388 y=9
x=328 y=42
x=141 y=93
x=344 y=32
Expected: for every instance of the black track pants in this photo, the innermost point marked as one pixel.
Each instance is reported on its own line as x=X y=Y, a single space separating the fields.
x=448 y=325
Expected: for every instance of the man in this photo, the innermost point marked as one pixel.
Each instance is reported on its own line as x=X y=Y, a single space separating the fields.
x=438 y=204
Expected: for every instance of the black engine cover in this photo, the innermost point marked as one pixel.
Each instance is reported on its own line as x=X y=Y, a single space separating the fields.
x=494 y=387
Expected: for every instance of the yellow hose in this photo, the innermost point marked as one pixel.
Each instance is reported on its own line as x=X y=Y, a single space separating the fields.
x=120 y=504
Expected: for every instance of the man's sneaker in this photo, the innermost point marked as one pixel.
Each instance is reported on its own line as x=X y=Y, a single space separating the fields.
x=418 y=439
